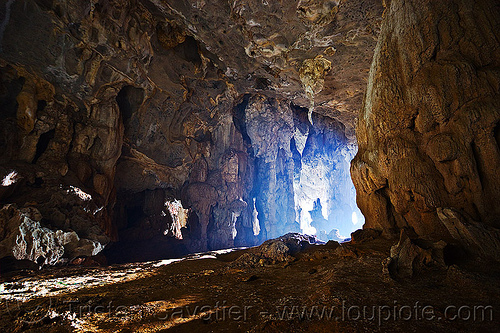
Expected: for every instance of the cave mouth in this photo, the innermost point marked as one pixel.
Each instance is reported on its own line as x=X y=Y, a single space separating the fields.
x=261 y=188
x=302 y=181
x=325 y=196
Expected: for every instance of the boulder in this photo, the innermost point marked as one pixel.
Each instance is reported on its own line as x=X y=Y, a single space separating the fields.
x=25 y=238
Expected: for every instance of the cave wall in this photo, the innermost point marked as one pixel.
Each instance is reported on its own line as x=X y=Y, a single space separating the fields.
x=429 y=153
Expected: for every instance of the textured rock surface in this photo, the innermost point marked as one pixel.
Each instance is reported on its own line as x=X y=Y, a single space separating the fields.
x=411 y=256
x=264 y=46
x=278 y=250
x=25 y=239
x=111 y=109
x=428 y=133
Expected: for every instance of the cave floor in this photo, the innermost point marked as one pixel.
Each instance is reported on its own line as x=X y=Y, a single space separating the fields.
x=326 y=289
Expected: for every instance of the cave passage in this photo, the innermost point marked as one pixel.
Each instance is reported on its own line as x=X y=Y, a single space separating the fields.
x=325 y=196
x=265 y=188
x=169 y=165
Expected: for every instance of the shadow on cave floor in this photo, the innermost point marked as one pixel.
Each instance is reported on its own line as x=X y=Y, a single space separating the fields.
x=324 y=288
x=146 y=250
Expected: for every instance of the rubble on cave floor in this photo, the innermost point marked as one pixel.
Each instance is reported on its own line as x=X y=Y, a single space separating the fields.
x=298 y=287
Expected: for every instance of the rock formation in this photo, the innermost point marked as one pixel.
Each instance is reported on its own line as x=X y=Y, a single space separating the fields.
x=111 y=110
x=428 y=132
x=118 y=117
x=26 y=239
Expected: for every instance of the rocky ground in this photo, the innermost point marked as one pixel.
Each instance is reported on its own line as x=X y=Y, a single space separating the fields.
x=285 y=285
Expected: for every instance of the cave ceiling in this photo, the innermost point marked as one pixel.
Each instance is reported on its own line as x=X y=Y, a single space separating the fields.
x=273 y=47
x=312 y=53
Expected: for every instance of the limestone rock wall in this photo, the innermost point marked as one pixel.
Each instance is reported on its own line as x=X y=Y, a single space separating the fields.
x=428 y=132
x=23 y=237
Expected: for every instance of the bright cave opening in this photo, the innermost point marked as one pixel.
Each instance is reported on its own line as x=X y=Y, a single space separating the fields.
x=9 y=179
x=179 y=217
x=325 y=196
x=302 y=181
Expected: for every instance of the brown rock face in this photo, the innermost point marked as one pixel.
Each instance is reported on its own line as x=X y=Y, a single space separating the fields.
x=428 y=133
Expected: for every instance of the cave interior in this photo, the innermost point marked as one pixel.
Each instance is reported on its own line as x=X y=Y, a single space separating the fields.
x=333 y=148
